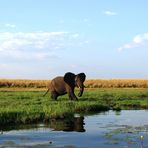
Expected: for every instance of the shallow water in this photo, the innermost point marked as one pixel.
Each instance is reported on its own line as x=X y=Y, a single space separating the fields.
x=125 y=129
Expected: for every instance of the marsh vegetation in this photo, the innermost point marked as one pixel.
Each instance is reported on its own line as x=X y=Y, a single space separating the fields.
x=94 y=83
x=18 y=105
x=22 y=103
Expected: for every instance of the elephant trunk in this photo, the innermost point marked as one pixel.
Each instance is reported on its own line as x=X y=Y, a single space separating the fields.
x=81 y=91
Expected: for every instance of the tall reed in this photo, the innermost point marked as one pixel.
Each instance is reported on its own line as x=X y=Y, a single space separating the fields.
x=94 y=83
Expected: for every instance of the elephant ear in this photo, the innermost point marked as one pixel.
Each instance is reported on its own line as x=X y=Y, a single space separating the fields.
x=69 y=78
x=82 y=76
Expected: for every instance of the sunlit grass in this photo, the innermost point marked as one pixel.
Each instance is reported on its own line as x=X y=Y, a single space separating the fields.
x=31 y=106
x=8 y=83
x=95 y=83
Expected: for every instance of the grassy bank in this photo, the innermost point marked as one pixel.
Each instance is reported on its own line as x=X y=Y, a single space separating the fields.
x=30 y=106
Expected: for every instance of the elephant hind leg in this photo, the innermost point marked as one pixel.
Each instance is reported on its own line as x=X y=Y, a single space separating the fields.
x=54 y=95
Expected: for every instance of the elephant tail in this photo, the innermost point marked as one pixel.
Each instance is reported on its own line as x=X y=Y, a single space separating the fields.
x=46 y=92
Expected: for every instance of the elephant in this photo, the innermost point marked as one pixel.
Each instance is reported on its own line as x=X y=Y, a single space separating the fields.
x=62 y=85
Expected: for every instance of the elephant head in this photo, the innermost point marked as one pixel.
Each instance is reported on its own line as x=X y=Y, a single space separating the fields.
x=75 y=80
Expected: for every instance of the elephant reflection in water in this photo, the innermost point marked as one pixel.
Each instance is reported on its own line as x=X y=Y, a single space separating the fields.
x=75 y=124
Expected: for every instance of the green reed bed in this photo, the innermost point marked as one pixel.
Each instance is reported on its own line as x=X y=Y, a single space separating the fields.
x=28 y=107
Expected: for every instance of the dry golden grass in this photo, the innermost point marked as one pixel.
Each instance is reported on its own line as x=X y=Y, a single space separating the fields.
x=24 y=83
x=95 y=83
x=117 y=83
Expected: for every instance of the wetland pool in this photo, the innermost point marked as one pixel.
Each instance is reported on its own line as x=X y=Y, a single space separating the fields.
x=111 y=129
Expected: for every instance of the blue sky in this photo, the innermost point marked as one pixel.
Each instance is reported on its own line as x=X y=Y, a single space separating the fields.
x=40 y=39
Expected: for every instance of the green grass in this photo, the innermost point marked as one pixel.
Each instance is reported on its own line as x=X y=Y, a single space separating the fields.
x=32 y=107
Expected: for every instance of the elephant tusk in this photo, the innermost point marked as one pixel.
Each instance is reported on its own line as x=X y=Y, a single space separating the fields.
x=78 y=86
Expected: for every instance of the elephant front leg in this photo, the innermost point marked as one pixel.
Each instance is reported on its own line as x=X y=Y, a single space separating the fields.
x=72 y=96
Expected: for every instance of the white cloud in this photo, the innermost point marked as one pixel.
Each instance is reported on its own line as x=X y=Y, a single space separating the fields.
x=61 y=21
x=34 y=45
x=76 y=35
x=10 y=25
x=110 y=13
x=86 y=20
x=138 y=41
x=3 y=65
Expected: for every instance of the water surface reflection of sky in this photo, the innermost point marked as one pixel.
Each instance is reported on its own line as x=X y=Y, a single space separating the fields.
x=107 y=130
